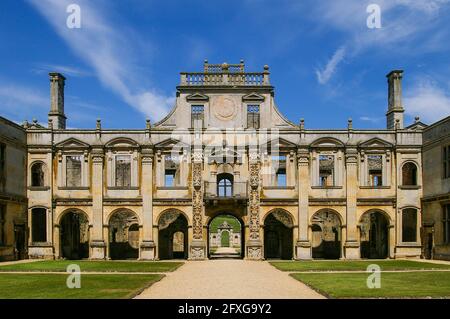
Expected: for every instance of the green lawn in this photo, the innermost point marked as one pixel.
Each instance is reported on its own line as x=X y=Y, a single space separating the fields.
x=216 y=222
x=53 y=286
x=342 y=265
x=393 y=285
x=100 y=266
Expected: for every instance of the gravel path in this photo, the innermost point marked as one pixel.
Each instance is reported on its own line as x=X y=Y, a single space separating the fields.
x=228 y=279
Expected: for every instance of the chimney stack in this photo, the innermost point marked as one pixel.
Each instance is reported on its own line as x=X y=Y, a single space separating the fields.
x=56 y=114
x=395 y=104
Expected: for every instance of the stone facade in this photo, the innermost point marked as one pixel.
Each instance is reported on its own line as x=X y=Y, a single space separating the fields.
x=13 y=201
x=224 y=149
x=436 y=190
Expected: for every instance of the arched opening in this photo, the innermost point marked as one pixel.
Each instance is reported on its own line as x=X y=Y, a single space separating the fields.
x=74 y=235
x=278 y=235
x=374 y=230
x=37 y=175
x=409 y=174
x=173 y=235
x=225 y=185
x=225 y=237
x=124 y=235
x=326 y=239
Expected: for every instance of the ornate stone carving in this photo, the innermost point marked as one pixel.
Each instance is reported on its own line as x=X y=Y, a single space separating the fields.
x=254 y=253
x=197 y=253
x=254 y=201
x=168 y=218
x=197 y=200
x=224 y=108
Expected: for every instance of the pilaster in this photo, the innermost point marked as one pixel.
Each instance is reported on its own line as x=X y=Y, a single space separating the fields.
x=303 y=245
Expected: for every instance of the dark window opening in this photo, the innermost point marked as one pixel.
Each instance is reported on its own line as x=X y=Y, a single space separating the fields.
x=409 y=174
x=409 y=225
x=2 y=164
x=39 y=225
x=446 y=223
x=37 y=175
x=446 y=162
x=2 y=224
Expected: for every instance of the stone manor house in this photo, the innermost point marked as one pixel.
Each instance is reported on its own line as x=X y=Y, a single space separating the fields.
x=224 y=148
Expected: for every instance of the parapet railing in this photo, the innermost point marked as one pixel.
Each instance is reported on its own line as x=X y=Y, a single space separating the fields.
x=225 y=79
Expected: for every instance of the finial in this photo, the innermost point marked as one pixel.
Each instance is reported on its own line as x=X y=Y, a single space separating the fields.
x=35 y=121
x=50 y=124
x=266 y=67
x=397 y=124
x=206 y=61
x=147 y=123
x=99 y=124
x=350 y=123
x=417 y=119
x=242 y=61
x=302 y=123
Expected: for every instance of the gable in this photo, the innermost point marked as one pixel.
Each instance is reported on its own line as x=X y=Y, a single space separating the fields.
x=375 y=143
x=197 y=97
x=122 y=142
x=279 y=144
x=253 y=97
x=72 y=143
x=171 y=143
x=327 y=142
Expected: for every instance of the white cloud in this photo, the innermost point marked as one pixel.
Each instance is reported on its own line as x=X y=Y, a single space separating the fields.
x=109 y=48
x=370 y=119
x=17 y=102
x=408 y=26
x=428 y=101
x=65 y=69
x=324 y=75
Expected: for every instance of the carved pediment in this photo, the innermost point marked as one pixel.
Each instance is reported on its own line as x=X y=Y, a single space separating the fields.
x=253 y=97
x=417 y=126
x=375 y=143
x=172 y=143
x=279 y=144
x=72 y=143
x=122 y=142
x=327 y=142
x=197 y=97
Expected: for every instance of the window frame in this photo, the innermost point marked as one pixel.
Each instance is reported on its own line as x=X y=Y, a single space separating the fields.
x=198 y=115
x=34 y=235
x=80 y=179
x=116 y=168
x=43 y=172
x=446 y=162
x=332 y=174
x=375 y=174
x=2 y=164
x=446 y=224
x=404 y=211
x=2 y=225
x=253 y=114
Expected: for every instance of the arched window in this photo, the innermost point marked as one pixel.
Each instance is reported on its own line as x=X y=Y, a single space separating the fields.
x=409 y=225
x=225 y=185
x=409 y=174
x=37 y=174
x=39 y=225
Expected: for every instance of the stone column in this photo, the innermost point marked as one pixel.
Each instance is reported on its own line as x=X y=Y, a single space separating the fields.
x=254 y=244
x=97 y=239
x=198 y=247
x=351 y=246
x=147 y=247
x=303 y=245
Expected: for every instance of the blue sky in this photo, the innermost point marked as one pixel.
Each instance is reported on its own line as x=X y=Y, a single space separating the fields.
x=123 y=64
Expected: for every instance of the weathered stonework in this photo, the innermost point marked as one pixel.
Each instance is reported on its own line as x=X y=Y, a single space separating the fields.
x=279 y=179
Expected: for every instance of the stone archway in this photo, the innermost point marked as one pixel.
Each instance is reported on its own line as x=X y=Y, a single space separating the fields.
x=123 y=235
x=172 y=235
x=326 y=231
x=374 y=234
x=74 y=235
x=226 y=237
x=278 y=235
